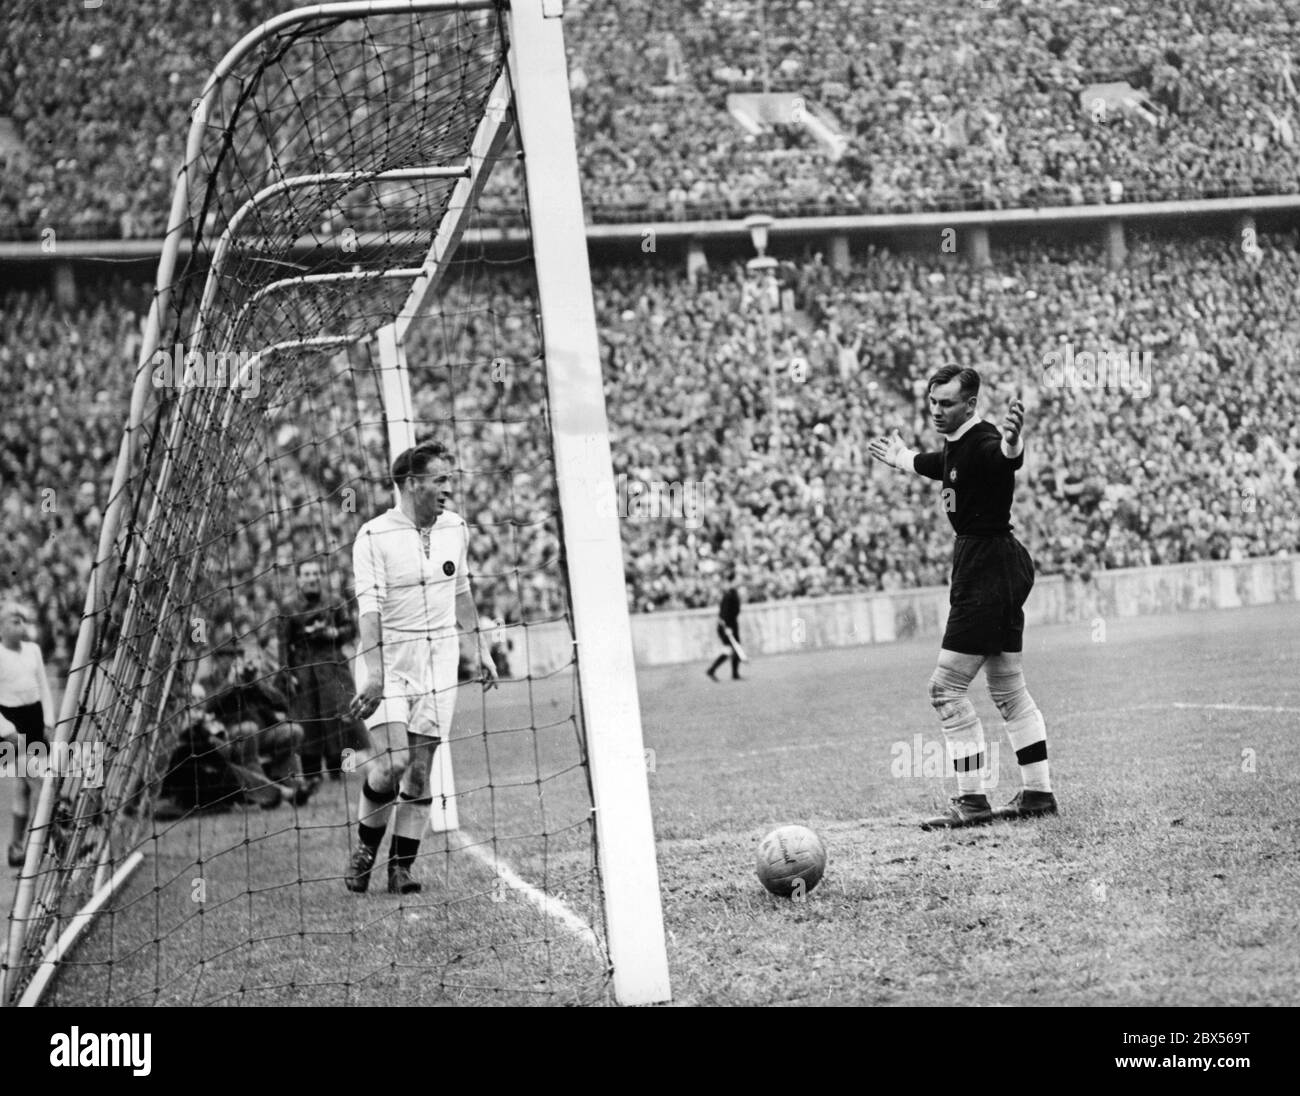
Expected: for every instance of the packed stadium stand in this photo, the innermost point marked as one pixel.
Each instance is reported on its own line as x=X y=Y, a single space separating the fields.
x=930 y=108
x=1203 y=465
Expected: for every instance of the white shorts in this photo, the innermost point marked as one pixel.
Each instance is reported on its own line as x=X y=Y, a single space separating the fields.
x=421 y=710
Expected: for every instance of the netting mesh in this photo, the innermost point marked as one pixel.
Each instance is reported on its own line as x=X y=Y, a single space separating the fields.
x=262 y=445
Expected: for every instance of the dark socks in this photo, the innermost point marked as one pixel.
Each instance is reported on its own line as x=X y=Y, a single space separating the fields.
x=371 y=835
x=403 y=850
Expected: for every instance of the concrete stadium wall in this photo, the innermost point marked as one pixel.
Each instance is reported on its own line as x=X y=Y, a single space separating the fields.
x=854 y=619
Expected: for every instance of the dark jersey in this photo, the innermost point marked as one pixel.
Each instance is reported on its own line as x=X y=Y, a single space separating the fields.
x=305 y=641
x=978 y=481
x=730 y=610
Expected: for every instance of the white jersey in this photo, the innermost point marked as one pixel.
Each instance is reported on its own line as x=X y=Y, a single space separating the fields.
x=411 y=578
x=23 y=680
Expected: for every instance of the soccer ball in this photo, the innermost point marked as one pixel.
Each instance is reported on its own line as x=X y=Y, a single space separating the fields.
x=791 y=861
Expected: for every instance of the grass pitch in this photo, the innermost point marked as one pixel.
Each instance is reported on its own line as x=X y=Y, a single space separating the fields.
x=1172 y=876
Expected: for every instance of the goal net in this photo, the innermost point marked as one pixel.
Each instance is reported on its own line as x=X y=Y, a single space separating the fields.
x=376 y=239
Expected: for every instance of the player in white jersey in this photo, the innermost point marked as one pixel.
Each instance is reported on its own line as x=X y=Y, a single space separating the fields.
x=26 y=710
x=412 y=587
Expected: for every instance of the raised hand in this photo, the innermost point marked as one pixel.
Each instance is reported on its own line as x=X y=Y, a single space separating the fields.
x=1013 y=423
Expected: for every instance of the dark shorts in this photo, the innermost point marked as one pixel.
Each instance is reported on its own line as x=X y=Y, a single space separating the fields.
x=991 y=578
x=722 y=635
x=29 y=719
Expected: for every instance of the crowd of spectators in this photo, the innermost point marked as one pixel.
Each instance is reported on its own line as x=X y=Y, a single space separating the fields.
x=940 y=104
x=1193 y=457
x=66 y=383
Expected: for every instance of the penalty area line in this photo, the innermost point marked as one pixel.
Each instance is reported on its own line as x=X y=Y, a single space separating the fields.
x=550 y=906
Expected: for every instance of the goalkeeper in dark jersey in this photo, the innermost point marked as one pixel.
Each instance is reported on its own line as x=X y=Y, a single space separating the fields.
x=992 y=575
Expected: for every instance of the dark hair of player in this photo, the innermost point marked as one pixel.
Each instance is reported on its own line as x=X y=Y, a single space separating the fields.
x=970 y=380
x=415 y=461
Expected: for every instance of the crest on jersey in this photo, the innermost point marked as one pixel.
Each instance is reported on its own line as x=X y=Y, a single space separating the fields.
x=449 y=568
x=952 y=476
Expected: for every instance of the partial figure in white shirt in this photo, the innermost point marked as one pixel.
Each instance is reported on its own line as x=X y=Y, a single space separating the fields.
x=413 y=595
x=26 y=710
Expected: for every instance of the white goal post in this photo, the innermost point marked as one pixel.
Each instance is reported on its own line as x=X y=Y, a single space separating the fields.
x=534 y=104
x=580 y=430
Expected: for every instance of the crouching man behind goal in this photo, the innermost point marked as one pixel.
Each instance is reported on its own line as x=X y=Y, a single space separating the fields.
x=992 y=575
x=412 y=591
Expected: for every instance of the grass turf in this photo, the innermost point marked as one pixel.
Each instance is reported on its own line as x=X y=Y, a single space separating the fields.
x=1171 y=876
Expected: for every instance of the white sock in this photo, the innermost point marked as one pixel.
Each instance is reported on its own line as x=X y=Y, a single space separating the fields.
x=1028 y=735
x=1025 y=728
x=961 y=728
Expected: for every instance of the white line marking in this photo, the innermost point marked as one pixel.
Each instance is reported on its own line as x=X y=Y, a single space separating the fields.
x=791 y=747
x=1171 y=705
x=1237 y=707
x=550 y=906
x=799 y=747
x=707 y=759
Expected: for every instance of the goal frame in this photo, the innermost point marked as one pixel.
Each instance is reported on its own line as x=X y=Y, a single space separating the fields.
x=538 y=93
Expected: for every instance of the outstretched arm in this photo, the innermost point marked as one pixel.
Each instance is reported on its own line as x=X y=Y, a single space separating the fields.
x=892 y=451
